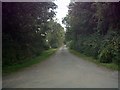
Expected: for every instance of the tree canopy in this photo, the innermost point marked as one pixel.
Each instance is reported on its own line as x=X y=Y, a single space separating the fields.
x=26 y=28
x=93 y=29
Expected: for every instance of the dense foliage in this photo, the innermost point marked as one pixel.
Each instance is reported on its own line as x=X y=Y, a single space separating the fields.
x=55 y=36
x=94 y=29
x=26 y=28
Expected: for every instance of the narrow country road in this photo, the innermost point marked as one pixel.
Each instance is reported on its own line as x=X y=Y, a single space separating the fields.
x=63 y=70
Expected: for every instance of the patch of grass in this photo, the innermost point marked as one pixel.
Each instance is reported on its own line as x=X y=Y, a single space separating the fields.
x=13 y=68
x=111 y=66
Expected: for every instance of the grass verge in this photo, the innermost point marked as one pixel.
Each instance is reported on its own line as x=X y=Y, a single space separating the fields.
x=13 y=68
x=111 y=66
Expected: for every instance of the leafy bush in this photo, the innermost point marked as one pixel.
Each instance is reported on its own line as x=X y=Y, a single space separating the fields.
x=105 y=55
x=109 y=51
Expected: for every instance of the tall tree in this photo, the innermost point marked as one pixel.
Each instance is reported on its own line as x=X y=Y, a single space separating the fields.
x=93 y=29
x=24 y=24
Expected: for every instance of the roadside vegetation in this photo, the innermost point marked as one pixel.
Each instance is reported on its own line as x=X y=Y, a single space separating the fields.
x=111 y=66
x=93 y=29
x=28 y=62
x=30 y=33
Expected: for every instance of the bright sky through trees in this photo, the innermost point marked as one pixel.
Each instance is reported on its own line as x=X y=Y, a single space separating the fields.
x=62 y=9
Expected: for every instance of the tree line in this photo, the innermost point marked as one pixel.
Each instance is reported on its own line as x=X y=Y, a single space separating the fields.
x=28 y=29
x=93 y=28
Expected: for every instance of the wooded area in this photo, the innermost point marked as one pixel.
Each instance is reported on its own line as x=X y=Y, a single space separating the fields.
x=93 y=29
x=28 y=30
x=38 y=51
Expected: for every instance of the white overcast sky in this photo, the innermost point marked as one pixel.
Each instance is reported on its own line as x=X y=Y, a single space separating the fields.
x=62 y=9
